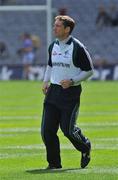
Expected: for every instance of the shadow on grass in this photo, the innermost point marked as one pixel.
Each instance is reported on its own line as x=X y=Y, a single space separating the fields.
x=41 y=171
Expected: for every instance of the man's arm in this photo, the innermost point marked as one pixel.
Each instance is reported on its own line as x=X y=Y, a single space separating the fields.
x=82 y=76
x=83 y=61
x=46 y=79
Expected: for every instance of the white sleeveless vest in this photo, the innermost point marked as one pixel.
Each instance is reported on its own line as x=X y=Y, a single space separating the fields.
x=62 y=63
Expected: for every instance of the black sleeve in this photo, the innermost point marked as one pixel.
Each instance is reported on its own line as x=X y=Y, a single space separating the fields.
x=81 y=58
x=50 y=54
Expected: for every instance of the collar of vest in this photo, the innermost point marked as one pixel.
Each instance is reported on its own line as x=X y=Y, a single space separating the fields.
x=68 y=42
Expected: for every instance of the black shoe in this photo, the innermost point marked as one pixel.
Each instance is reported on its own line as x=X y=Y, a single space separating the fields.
x=85 y=159
x=50 y=167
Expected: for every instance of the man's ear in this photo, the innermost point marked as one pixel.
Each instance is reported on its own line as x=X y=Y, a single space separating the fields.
x=67 y=29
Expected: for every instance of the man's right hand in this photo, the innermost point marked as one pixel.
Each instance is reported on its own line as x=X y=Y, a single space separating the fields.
x=45 y=87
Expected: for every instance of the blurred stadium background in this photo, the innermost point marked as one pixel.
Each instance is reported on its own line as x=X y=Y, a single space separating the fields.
x=22 y=153
x=101 y=42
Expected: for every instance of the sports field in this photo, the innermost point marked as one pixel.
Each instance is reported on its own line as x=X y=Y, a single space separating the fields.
x=22 y=153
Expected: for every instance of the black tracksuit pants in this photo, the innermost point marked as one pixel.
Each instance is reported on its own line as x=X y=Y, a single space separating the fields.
x=61 y=107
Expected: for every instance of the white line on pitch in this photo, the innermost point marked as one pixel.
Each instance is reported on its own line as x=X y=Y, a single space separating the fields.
x=101 y=124
x=33 y=129
x=63 y=146
x=18 y=107
x=98 y=113
x=19 y=129
x=95 y=170
x=7 y=155
x=18 y=117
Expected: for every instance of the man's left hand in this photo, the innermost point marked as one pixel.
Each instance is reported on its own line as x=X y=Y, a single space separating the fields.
x=66 y=83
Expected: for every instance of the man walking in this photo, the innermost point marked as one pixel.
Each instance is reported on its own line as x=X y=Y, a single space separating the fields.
x=69 y=64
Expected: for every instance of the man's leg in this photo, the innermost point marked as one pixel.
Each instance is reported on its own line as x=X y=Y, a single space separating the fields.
x=74 y=134
x=49 y=128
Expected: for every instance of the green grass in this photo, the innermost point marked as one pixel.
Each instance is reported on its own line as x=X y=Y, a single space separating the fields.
x=22 y=153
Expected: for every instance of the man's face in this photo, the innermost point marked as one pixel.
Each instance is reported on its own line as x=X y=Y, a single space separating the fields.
x=60 y=31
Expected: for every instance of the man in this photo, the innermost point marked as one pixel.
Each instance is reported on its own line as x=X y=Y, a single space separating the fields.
x=69 y=64
x=103 y=18
x=28 y=54
x=3 y=50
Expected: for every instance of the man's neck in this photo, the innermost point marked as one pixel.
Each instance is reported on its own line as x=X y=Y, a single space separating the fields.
x=64 y=41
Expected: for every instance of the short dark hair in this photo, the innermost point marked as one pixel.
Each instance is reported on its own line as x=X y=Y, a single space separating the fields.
x=67 y=22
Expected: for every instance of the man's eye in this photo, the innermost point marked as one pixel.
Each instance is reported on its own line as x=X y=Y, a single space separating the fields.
x=57 y=25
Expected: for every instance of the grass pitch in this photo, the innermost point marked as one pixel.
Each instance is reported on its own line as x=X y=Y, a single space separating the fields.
x=22 y=153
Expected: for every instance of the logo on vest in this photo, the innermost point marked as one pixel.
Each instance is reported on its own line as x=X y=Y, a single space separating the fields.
x=60 y=64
